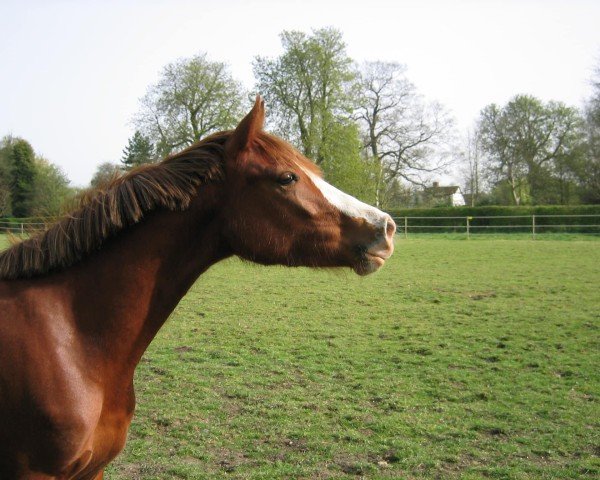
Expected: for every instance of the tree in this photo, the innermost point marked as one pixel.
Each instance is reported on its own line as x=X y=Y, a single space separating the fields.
x=4 y=199
x=105 y=173
x=5 y=176
x=139 y=150
x=526 y=141
x=590 y=171
x=307 y=88
x=401 y=132
x=41 y=188
x=50 y=189
x=566 y=175
x=344 y=166
x=192 y=98
x=471 y=160
x=21 y=158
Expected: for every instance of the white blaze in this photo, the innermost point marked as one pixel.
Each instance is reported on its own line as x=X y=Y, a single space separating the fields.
x=347 y=203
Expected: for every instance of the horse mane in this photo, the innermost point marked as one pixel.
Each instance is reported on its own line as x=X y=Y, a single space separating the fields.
x=108 y=210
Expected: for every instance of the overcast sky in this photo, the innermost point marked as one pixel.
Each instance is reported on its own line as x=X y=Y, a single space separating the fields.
x=72 y=72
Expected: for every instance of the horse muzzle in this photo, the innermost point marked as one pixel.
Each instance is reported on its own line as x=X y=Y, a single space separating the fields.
x=373 y=256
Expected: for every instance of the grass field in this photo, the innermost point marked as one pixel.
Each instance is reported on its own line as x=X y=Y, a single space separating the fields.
x=460 y=359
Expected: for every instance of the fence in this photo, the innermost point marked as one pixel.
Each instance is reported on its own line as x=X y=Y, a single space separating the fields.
x=469 y=225
x=533 y=224
x=17 y=226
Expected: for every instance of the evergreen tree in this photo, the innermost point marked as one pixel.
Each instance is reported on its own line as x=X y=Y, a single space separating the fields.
x=139 y=150
x=5 y=175
x=23 y=177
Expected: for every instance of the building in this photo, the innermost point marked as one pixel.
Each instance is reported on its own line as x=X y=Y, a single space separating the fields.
x=448 y=196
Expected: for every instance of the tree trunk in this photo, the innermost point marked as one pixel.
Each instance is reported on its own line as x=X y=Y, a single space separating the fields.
x=513 y=186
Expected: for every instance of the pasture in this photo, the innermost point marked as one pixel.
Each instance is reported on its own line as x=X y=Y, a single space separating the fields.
x=460 y=359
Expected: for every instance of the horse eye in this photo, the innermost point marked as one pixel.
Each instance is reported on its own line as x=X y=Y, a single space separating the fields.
x=287 y=178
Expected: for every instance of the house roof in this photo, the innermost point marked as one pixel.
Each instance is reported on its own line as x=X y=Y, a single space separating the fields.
x=442 y=191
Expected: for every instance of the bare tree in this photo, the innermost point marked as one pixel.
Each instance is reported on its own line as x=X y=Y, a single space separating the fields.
x=472 y=166
x=590 y=173
x=402 y=132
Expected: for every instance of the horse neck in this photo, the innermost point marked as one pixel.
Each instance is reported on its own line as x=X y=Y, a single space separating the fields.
x=124 y=293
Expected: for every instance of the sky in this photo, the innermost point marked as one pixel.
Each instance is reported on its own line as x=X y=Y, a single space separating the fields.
x=72 y=71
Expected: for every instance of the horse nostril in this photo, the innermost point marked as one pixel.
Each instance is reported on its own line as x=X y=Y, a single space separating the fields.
x=390 y=228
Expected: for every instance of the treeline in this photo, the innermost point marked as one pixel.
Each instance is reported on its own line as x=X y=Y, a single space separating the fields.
x=365 y=125
x=372 y=133
x=30 y=186
x=529 y=152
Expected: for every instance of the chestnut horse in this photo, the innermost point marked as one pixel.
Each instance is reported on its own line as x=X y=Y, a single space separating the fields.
x=81 y=302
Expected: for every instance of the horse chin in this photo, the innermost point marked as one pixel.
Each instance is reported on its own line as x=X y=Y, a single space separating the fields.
x=368 y=264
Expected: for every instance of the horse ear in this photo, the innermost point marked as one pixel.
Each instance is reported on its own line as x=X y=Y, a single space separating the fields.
x=248 y=128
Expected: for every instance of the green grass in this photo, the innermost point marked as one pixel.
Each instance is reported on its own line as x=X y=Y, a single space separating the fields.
x=460 y=359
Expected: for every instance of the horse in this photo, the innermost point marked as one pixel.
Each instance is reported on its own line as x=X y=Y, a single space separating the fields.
x=81 y=301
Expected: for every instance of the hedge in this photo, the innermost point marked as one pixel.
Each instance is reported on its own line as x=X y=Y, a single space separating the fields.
x=496 y=216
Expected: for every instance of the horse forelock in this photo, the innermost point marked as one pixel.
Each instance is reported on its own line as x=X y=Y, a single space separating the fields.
x=104 y=212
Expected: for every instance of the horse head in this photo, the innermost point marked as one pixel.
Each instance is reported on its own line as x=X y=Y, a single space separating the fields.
x=279 y=209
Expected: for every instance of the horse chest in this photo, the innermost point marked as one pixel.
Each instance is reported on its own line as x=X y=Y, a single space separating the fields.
x=108 y=439
x=61 y=422
x=109 y=434
x=67 y=446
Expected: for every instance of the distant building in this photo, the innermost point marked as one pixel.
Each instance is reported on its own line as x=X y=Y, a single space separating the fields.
x=449 y=196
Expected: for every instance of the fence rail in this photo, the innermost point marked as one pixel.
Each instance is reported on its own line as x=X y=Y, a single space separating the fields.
x=534 y=224
x=18 y=227
x=469 y=225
